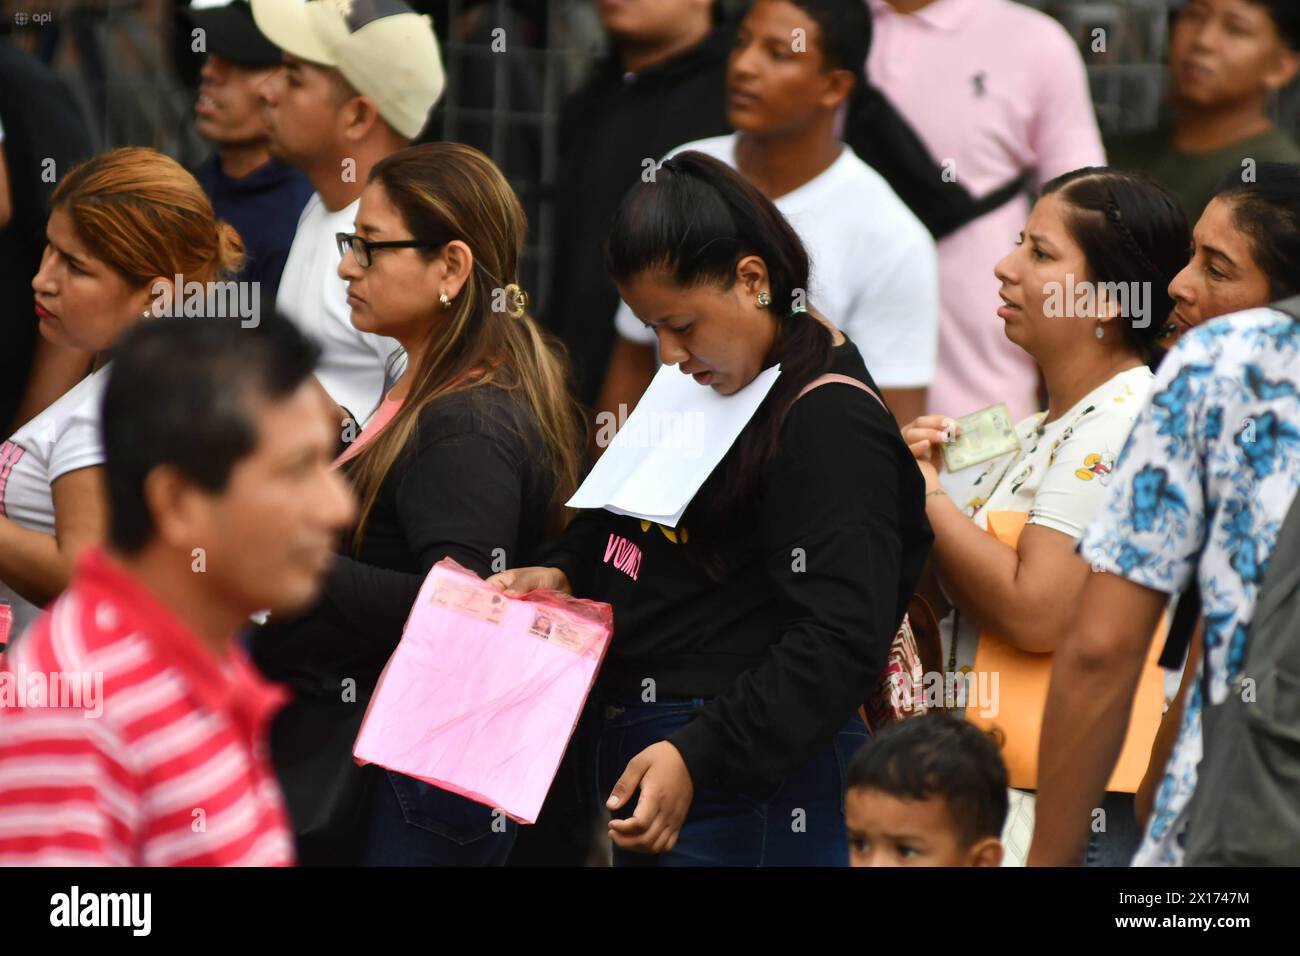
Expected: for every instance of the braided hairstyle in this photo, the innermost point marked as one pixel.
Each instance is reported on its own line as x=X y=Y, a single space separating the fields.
x=1131 y=229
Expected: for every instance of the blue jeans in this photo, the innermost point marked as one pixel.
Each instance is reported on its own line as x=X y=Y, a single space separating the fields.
x=798 y=821
x=414 y=823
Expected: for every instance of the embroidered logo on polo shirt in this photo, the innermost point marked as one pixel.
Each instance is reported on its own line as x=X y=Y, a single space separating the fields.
x=978 y=81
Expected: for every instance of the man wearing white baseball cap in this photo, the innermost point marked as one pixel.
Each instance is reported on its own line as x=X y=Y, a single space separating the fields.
x=358 y=82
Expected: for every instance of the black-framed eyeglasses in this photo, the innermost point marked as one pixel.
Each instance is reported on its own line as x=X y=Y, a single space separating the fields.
x=363 y=249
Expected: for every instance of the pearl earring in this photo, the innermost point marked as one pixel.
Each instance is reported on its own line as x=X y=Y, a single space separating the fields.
x=1099 y=333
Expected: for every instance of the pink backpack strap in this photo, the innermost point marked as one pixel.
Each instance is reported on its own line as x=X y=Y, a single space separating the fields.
x=831 y=377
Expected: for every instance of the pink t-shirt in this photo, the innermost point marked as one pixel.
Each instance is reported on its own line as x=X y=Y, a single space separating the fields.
x=994 y=89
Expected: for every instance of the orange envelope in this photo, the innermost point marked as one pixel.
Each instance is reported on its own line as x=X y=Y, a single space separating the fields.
x=1023 y=679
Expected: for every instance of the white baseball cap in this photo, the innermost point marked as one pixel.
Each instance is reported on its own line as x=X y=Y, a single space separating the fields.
x=383 y=48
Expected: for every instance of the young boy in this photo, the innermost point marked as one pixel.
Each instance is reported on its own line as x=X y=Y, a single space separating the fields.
x=931 y=791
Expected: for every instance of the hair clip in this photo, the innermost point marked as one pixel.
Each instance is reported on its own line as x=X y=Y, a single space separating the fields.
x=516 y=300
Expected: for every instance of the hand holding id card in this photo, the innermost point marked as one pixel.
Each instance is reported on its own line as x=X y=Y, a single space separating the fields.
x=981 y=436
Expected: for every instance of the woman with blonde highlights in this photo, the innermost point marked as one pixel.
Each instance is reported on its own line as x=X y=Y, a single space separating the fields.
x=471 y=455
x=123 y=225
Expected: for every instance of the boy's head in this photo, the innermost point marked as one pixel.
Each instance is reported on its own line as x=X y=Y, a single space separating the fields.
x=931 y=791
x=1224 y=52
x=795 y=61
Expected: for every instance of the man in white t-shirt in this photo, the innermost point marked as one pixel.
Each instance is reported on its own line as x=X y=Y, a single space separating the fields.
x=358 y=83
x=874 y=268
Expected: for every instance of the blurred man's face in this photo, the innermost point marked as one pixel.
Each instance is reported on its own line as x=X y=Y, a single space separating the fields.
x=646 y=21
x=773 y=88
x=228 y=111
x=270 y=535
x=1226 y=51
x=302 y=105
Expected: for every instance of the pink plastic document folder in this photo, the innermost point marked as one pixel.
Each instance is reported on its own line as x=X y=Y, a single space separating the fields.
x=484 y=690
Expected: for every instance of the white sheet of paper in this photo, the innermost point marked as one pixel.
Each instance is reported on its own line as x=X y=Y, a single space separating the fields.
x=669 y=445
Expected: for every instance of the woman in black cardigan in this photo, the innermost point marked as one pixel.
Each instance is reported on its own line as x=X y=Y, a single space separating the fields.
x=470 y=456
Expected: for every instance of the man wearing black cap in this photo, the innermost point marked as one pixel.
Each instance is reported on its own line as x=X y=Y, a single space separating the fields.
x=257 y=194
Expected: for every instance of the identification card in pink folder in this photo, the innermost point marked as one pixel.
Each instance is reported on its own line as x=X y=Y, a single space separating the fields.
x=484 y=690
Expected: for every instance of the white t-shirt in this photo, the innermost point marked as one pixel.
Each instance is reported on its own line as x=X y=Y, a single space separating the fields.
x=63 y=438
x=312 y=295
x=874 y=268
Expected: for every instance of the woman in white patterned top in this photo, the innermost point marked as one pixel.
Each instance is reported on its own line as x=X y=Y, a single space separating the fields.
x=1085 y=294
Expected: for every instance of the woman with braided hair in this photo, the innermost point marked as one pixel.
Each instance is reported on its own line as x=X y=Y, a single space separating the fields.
x=1085 y=294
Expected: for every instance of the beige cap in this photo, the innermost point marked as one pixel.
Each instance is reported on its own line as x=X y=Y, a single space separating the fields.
x=385 y=49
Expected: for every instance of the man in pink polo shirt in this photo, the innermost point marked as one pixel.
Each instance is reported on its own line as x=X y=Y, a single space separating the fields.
x=994 y=90
x=132 y=727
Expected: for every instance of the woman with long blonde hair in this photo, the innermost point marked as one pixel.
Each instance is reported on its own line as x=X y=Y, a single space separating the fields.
x=122 y=226
x=470 y=455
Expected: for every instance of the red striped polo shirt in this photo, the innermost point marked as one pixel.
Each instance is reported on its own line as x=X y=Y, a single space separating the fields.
x=125 y=741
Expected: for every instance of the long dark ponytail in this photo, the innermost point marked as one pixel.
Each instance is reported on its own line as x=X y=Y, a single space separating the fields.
x=693 y=224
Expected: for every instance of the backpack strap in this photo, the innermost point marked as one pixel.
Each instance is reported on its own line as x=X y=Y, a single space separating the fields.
x=836 y=378
x=998 y=198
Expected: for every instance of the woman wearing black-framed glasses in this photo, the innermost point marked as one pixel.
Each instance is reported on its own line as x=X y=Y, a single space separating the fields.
x=470 y=455
x=363 y=248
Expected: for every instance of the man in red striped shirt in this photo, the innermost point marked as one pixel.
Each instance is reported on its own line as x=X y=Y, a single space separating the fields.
x=132 y=727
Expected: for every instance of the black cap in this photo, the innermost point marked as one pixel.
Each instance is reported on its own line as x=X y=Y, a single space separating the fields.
x=231 y=34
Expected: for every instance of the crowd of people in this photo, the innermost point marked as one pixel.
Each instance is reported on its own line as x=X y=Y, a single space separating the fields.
x=251 y=406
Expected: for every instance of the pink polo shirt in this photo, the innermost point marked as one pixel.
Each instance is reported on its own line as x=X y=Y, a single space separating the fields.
x=996 y=88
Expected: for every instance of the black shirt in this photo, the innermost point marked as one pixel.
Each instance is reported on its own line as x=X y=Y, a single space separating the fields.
x=608 y=128
x=42 y=124
x=794 y=637
x=473 y=479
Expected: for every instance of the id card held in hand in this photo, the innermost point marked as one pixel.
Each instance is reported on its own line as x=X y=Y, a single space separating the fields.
x=981 y=436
